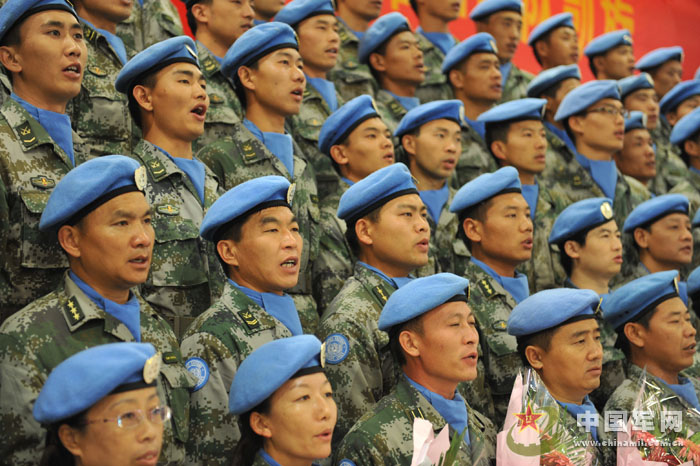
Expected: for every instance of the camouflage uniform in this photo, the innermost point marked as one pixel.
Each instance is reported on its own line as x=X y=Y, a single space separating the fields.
x=51 y=329
x=384 y=435
x=475 y=159
x=516 y=84
x=365 y=371
x=390 y=110
x=690 y=187
x=670 y=168
x=442 y=234
x=558 y=156
x=150 y=23
x=185 y=276
x=31 y=164
x=225 y=109
x=351 y=78
x=244 y=157
x=5 y=85
x=435 y=85
x=223 y=337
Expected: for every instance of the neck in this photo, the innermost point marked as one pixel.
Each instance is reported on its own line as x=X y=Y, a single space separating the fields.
x=263 y=17
x=431 y=23
x=119 y=296
x=475 y=107
x=283 y=457
x=695 y=162
x=503 y=60
x=391 y=270
x=549 y=117
x=244 y=282
x=415 y=371
x=593 y=153
x=211 y=42
x=502 y=268
x=661 y=371
x=346 y=173
x=425 y=181
x=654 y=264
x=526 y=178
x=403 y=89
x=265 y=120
x=354 y=22
x=36 y=98
x=97 y=21
x=560 y=393
x=314 y=72
x=175 y=147
x=595 y=282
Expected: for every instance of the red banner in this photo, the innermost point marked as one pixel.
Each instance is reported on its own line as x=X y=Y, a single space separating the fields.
x=653 y=23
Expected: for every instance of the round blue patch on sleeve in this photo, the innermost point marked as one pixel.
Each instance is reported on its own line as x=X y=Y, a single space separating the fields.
x=337 y=348
x=346 y=462
x=199 y=368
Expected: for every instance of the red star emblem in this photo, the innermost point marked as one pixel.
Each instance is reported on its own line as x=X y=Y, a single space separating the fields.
x=528 y=418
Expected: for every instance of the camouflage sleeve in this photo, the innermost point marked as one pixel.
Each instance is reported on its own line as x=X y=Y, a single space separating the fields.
x=334 y=264
x=212 y=156
x=361 y=449
x=4 y=217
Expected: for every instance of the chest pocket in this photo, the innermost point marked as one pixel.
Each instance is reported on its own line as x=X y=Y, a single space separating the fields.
x=176 y=387
x=104 y=111
x=39 y=250
x=179 y=257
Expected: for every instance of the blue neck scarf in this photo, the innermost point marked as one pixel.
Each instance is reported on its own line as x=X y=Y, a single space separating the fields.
x=479 y=127
x=396 y=282
x=358 y=34
x=219 y=59
x=56 y=124
x=267 y=458
x=194 y=169
x=685 y=390
x=603 y=172
x=584 y=408
x=442 y=40
x=349 y=183
x=114 y=41
x=517 y=286
x=454 y=411
x=409 y=103
x=563 y=135
x=279 y=144
x=128 y=314
x=280 y=307
x=327 y=90
x=505 y=72
x=435 y=200
x=531 y=192
x=683 y=292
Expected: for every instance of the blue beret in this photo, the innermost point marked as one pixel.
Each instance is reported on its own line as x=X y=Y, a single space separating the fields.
x=257 y=42
x=680 y=92
x=488 y=7
x=551 y=308
x=343 y=121
x=659 y=56
x=90 y=185
x=586 y=95
x=521 y=109
x=636 y=120
x=298 y=10
x=245 y=199
x=420 y=296
x=686 y=127
x=385 y=27
x=634 y=83
x=697 y=73
x=548 y=78
x=85 y=378
x=15 y=11
x=654 y=209
x=605 y=42
x=579 y=217
x=436 y=110
x=639 y=296
x=504 y=180
x=374 y=191
x=267 y=368
x=694 y=282
x=156 y=57
x=482 y=42
x=550 y=24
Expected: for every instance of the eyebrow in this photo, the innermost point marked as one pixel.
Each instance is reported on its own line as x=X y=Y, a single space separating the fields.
x=189 y=73
x=129 y=214
x=410 y=207
x=327 y=22
x=271 y=219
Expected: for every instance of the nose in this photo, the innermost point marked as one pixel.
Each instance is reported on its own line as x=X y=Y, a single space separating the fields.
x=73 y=48
x=596 y=352
x=527 y=223
x=144 y=235
x=617 y=244
x=149 y=430
x=690 y=329
x=248 y=9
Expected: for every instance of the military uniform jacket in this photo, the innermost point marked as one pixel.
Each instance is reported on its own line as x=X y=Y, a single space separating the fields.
x=51 y=329
x=185 y=277
x=31 y=164
x=516 y=84
x=391 y=110
x=100 y=114
x=225 y=109
x=435 y=85
x=152 y=22
x=670 y=168
x=351 y=78
x=442 y=235
x=384 y=435
x=243 y=157
x=558 y=156
x=222 y=337
x=358 y=362
x=475 y=159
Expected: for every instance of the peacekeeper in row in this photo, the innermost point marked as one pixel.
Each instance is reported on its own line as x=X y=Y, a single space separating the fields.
x=434 y=340
x=257 y=240
x=150 y=22
x=265 y=66
x=554 y=42
x=611 y=55
x=637 y=158
x=103 y=223
x=37 y=145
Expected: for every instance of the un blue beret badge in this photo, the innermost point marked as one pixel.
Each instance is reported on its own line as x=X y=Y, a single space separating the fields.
x=140 y=178
x=290 y=193
x=337 y=348
x=346 y=462
x=493 y=45
x=606 y=210
x=627 y=39
x=200 y=370
x=151 y=368
x=322 y=357
x=191 y=52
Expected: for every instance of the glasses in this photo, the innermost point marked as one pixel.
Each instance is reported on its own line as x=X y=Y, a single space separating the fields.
x=612 y=111
x=133 y=419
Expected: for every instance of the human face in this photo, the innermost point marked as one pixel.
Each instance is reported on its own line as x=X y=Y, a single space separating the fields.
x=318 y=44
x=445 y=10
x=369 y=147
x=525 y=146
x=435 y=151
x=668 y=75
x=647 y=101
x=179 y=102
x=268 y=254
x=600 y=130
x=562 y=47
x=104 y=14
x=115 y=245
x=565 y=87
x=279 y=82
x=105 y=443
x=51 y=59
x=227 y=20
x=401 y=235
x=618 y=62
x=601 y=256
x=403 y=59
x=267 y=9
x=481 y=76
x=447 y=346
x=670 y=241
x=637 y=158
x=301 y=419
x=505 y=27
x=367 y=10
x=571 y=367
x=684 y=108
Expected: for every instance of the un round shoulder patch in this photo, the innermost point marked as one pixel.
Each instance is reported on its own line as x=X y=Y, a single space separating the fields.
x=199 y=368
x=337 y=349
x=346 y=462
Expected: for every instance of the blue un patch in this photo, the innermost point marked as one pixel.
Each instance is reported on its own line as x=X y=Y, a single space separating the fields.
x=199 y=368
x=346 y=462
x=337 y=348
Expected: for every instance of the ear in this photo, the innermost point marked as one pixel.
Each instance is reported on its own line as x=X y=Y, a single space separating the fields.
x=410 y=343
x=534 y=356
x=472 y=229
x=498 y=148
x=456 y=78
x=692 y=148
x=69 y=437
x=363 y=231
x=572 y=249
x=245 y=75
x=641 y=237
x=69 y=239
x=338 y=155
x=672 y=118
x=542 y=48
x=142 y=95
x=377 y=61
x=408 y=141
x=260 y=424
x=576 y=124
x=9 y=59
x=228 y=251
x=599 y=62
x=635 y=333
x=549 y=106
x=200 y=12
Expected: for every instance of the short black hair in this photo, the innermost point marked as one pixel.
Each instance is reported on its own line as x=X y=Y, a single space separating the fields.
x=684 y=155
x=12 y=36
x=381 y=50
x=542 y=339
x=414 y=325
x=414 y=6
x=238 y=87
x=594 y=70
x=476 y=212
x=566 y=262
x=545 y=38
x=191 y=22
x=622 y=343
x=135 y=109
x=350 y=234
x=497 y=132
x=233 y=231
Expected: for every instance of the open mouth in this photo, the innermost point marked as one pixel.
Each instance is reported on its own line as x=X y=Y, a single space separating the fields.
x=73 y=69
x=200 y=110
x=333 y=51
x=690 y=347
x=298 y=94
x=290 y=263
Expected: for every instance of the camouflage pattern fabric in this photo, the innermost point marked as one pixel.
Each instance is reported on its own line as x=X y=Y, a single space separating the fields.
x=670 y=168
x=5 y=85
x=351 y=78
x=36 y=339
x=516 y=84
x=384 y=435
x=434 y=86
x=390 y=110
x=558 y=155
x=442 y=234
x=475 y=159
x=222 y=337
x=150 y=23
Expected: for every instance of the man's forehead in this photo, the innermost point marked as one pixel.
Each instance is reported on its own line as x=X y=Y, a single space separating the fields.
x=609 y=102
